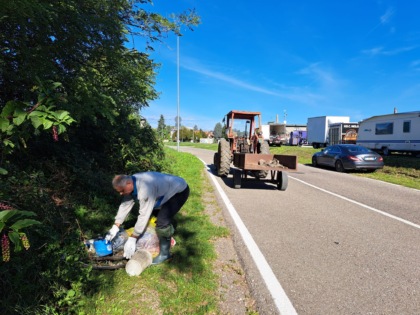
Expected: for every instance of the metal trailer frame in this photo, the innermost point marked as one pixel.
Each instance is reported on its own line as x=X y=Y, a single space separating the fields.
x=246 y=162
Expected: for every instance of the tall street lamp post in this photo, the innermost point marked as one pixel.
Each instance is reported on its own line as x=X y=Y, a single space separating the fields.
x=177 y=75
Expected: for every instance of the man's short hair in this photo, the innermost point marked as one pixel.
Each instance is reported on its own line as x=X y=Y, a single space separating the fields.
x=121 y=180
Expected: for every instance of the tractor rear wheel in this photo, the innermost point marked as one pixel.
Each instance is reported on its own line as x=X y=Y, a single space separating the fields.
x=264 y=149
x=225 y=158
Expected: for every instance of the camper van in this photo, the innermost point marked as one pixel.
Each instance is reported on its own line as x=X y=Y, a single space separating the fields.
x=398 y=132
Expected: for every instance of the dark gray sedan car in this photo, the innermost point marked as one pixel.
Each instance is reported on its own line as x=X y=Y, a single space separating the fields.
x=344 y=157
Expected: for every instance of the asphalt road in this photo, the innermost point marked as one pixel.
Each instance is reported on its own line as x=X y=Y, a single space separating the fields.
x=337 y=243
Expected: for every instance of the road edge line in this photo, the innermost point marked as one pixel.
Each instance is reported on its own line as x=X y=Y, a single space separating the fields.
x=282 y=302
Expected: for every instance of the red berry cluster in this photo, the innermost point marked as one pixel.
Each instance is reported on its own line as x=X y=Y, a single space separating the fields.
x=3 y=206
x=55 y=133
x=24 y=240
x=5 y=247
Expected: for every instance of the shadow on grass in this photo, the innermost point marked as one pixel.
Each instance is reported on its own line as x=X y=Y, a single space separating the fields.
x=402 y=160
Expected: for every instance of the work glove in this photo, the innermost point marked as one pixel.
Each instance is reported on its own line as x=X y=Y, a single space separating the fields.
x=130 y=247
x=111 y=233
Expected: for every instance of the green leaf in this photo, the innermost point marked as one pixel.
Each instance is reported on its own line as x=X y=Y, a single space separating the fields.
x=2 y=225
x=7 y=214
x=19 y=116
x=15 y=238
x=56 y=85
x=23 y=224
x=8 y=143
x=38 y=113
x=3 y=171
x=4 y=124
x=61 y=129
x=68 y=120
x=36 y=121
x=47 y=124
x=10 y=108
x=61 y=114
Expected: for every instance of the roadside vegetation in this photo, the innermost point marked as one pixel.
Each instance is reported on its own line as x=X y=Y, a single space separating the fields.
x=186 y=285
x=71 y=93
x=400 y=169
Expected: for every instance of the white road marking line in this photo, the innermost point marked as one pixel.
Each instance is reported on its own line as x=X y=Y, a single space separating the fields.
x=282 y=302
x=359 y=204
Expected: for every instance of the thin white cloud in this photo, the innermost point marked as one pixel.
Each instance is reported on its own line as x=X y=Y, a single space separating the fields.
x=373 y=51
x=398 y=51
x=323 y=77
x=380 y=51
x=384 y=19
x=387 y=16
x=324 y=80
x=192 y=65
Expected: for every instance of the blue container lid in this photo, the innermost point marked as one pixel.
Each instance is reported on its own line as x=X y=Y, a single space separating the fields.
x=102 y=248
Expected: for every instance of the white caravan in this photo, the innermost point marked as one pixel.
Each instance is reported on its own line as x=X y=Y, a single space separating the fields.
x=399 y=132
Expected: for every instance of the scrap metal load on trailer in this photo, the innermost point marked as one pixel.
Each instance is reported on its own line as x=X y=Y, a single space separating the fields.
x=250 y=153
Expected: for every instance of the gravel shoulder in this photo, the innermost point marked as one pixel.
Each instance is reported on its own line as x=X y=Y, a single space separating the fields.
x=234 y=293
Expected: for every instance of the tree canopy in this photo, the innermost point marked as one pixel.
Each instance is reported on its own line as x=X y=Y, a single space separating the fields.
x=70 y=95
x=218 y=131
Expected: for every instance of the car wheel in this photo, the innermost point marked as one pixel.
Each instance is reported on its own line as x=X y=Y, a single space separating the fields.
x=385 y=151
x=339 y=166
x=314 y=162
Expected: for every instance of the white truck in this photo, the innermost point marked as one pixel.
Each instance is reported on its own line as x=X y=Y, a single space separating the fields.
x=318 y=128
x=275 y=134
x=398 y=132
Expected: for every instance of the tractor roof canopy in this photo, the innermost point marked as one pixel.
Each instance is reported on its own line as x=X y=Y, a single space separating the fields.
x=239 y=114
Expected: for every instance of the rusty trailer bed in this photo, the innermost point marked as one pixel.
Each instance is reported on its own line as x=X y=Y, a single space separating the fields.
x=251 y=162
x=277 y=164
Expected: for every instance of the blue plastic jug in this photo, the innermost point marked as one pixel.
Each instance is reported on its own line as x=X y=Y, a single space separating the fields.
x=102 y=248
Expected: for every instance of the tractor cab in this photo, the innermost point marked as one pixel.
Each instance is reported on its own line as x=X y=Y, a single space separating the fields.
x=243 y=131
x=244 y=145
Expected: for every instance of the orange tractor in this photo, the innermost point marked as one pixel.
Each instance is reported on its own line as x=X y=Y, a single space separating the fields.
x=249 y=152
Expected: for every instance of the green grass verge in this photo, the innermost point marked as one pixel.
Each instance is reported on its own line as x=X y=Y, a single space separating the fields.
x=186 y=285
x=399 y=169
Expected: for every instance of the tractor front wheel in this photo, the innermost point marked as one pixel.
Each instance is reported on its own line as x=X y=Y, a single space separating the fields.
x=216 y=160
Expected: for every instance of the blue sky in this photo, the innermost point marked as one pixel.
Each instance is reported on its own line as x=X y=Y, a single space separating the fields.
x=289 y=60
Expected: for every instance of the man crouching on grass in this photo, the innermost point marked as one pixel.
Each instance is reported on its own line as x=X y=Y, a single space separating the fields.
x=151 y=189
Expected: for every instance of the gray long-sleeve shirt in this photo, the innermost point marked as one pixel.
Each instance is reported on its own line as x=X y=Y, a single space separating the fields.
x=149 y=188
